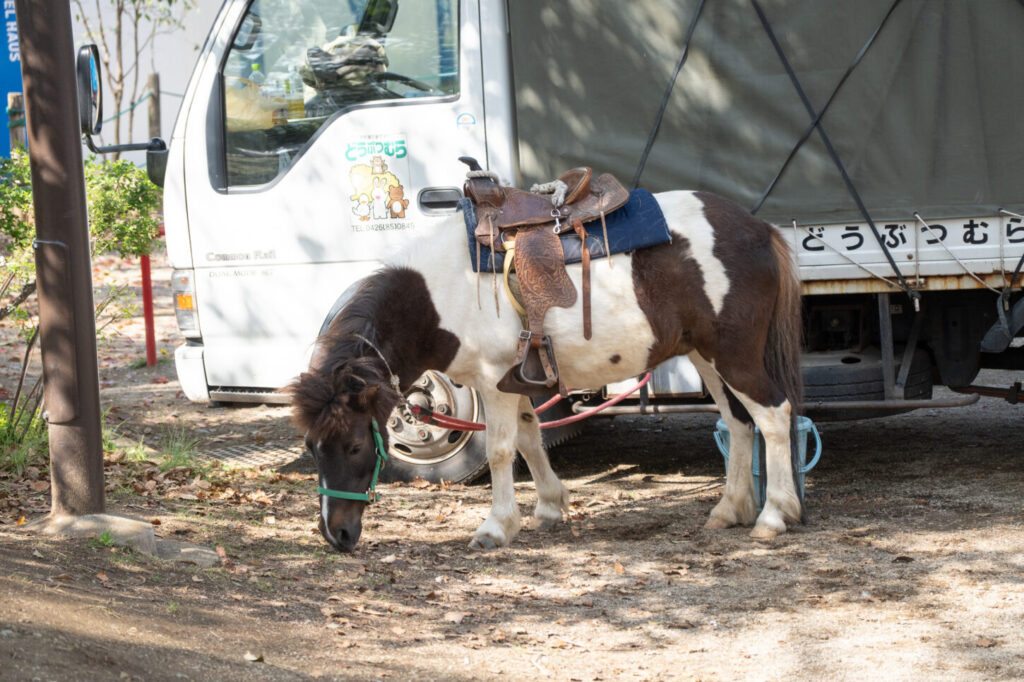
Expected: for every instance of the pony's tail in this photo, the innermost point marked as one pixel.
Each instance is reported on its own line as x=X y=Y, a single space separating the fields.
x=782 y=350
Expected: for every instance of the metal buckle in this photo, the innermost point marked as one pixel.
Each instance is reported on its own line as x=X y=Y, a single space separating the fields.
x=556 y=214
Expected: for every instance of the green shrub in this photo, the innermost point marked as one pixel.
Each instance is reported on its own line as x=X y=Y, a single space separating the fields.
x=123 y=218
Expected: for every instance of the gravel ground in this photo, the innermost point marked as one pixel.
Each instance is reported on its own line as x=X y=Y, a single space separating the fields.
x=909 y=565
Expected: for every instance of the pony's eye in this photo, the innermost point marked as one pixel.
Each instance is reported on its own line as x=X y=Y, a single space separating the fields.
x=355 y=449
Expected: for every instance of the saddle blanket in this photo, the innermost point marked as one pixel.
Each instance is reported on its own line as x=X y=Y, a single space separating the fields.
x=638 y=224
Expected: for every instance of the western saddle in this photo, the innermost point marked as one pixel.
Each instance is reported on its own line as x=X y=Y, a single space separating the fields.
x=526 y=227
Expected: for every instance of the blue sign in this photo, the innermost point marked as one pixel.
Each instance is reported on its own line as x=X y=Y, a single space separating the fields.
x=10 y=73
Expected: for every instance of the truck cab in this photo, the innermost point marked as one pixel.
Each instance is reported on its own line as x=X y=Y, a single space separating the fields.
x=316 y=137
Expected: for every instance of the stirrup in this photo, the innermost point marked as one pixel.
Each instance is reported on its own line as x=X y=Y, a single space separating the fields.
x=543 y=352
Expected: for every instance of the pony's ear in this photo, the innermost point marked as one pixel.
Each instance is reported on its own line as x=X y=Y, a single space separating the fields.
x=311 y=396
x=363 y=401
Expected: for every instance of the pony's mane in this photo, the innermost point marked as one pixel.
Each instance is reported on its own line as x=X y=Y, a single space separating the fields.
x=346 y=375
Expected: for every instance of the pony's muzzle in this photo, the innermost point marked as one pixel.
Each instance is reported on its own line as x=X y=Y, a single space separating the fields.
x=341 y=535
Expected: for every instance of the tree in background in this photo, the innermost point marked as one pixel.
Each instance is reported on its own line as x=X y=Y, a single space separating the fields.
x=124 y=31
x=123 y=218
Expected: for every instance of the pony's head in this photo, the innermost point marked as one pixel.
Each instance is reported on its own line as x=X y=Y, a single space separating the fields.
x=339 y=410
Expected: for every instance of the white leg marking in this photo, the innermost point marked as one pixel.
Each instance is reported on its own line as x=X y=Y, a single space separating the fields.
x=738 y=505
x=552 y=497
x=503 y=522
x=782 y=504
x=685 y=215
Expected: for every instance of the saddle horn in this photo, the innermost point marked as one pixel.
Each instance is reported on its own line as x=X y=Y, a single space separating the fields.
x=473 y=164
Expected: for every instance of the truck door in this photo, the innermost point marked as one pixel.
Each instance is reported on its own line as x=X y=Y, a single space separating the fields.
x=323 y=135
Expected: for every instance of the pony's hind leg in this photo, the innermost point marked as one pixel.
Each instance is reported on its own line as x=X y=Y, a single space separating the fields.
x=503 y=522
x=738 y=505
x=552 y=496
x=782 y=504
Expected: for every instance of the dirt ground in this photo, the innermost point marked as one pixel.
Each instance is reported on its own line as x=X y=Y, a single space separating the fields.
x=909 y=567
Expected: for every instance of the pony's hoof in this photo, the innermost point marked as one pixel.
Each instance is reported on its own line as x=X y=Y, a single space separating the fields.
x=549 y=524
x=765 y=532
x=483 y=542
x=715 y=523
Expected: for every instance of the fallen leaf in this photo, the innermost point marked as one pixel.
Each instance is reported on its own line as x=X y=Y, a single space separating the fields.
x=902 y=559
x=40 y=486
x=455 y=617
x=985 y=643
x=102 y=577
x=158 y=380
x=62 y=576
x=619 y=568
x=21 y=521
x=420 y=483
x=253 y=658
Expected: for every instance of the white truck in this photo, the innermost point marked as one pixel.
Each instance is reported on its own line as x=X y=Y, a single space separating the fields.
x=315 y=137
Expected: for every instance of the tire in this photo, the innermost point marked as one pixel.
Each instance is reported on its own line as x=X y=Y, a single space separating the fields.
x=846 y=376
x=433 y=453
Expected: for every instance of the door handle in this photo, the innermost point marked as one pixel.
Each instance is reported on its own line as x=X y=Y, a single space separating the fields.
x=437 y=200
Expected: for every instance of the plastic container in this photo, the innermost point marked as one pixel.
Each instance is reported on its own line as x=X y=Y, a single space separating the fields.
x=294 y=94
x=804 y=428
x=256 y=76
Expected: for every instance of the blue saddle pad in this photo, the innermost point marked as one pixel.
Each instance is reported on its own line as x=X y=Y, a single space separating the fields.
x=638 y=224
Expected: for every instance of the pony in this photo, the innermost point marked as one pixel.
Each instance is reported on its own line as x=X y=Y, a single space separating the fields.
x=723 y=292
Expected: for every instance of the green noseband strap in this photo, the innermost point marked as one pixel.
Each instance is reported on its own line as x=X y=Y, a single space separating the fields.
x=370 y=495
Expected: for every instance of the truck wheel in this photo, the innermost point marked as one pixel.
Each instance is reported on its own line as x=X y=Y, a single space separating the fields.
x=843 y=376
x=433 y=453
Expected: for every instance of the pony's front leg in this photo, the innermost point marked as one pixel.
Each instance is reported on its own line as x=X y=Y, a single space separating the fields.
x=552 y=496
x=503 y=522
x=738 y=506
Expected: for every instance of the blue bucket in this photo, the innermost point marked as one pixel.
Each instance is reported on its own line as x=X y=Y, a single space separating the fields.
x=804 y=427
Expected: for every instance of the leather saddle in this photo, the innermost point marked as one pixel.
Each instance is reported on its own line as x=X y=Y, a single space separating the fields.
x=526 y=226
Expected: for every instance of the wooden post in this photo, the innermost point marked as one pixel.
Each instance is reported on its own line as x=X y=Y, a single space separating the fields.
x=67 y=317
x=16 y=113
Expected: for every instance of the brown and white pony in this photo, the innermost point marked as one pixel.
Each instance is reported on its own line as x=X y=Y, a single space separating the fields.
x=723 y=292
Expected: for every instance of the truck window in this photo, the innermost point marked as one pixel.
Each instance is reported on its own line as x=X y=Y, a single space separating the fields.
x=293 y=65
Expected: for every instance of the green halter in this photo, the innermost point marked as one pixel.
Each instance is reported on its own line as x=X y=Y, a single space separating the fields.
x=371 y=494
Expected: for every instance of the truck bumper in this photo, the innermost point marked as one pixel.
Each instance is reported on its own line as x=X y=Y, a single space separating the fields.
x=188 y=361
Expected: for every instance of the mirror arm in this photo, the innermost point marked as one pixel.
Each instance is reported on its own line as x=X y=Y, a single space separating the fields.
x=154 y=145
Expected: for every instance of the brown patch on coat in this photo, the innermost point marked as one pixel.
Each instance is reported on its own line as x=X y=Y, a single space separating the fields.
x=392 y=309
x=526 y=417
x=615 y=359
x=681 y=315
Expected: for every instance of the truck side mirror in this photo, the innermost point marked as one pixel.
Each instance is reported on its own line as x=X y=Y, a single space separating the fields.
x=90 y=92
x=90 y=116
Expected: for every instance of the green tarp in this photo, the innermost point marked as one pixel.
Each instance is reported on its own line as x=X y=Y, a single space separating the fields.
x=931 y=120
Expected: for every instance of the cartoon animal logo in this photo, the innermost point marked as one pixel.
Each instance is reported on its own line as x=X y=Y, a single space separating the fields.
x=397 y=202
x=380 y=199
x=362 y=207
x=377 y=193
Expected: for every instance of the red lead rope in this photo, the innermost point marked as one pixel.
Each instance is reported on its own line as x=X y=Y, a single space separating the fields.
x=456 y=424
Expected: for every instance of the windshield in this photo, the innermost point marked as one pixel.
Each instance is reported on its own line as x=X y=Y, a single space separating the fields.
x=293 y=65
